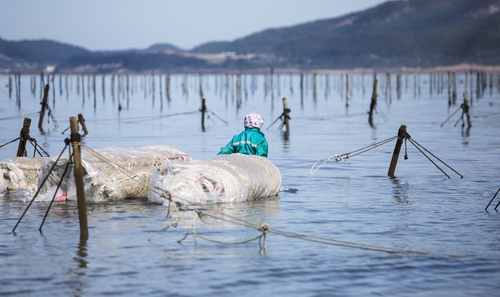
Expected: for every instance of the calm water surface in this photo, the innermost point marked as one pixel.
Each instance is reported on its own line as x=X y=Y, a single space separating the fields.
x=455 y=242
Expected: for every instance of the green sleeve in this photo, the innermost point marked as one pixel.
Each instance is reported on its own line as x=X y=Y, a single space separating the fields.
x=228 y=149
x=262 y=149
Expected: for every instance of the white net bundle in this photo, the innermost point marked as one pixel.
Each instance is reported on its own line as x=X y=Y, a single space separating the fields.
x=223 y=178
x=109 y=173
x=19 y=174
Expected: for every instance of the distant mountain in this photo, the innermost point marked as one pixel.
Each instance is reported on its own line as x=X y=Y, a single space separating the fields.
x=35 y=53
x=163 y=47
x=130 y=61
x=397 y=33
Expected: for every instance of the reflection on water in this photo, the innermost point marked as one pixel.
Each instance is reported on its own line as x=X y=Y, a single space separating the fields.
x=400 y=190
x=355 y=201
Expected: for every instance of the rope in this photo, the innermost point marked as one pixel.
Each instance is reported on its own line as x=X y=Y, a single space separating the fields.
x=343 y=157
x=10 y=142
x=58 y=186
x=492 y=200
x=20 y=116
x=418 y=146
x=66 y=141
x=451 y=115
x=36 y=147
x=217 y=116
x=265 y=229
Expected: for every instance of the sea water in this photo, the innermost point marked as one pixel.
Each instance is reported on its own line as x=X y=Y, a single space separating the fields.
x=337 y=229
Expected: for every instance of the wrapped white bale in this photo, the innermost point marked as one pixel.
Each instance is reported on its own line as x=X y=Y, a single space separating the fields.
x=19 y=174
x=223 y=178
x=109 y=173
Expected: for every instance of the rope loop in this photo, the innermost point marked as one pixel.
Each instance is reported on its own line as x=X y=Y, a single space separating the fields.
x=264 y=228
x=75 y=137
x=24 y=135
x=167 y=195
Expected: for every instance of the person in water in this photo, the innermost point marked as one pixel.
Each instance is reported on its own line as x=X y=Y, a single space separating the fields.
x=251 y=141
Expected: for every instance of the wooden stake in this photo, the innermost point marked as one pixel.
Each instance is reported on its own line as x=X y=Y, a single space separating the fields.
x=397 y=149
x=81 y=120
x=25 y=131
x=286 y=110
x=346 y=89
x=44 y=105
x=10 y=87
x=374 y=101
x=80 y=191
x=203 y=109
x=466 y=109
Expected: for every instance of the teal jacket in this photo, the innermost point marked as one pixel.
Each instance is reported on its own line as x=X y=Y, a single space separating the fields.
x=250 y=142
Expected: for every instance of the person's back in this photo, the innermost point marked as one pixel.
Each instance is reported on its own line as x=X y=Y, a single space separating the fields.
x=251 y=141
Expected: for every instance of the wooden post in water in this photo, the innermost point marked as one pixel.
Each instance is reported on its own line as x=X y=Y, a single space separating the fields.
x=44 y=105
x=25 y=131
x=346 y=89
x=81 y=120
x=203 y=109
x=286 y=111
x=395 y=155
x=466 y=110
x=10 y=87
x=80 y=191
x=314 y=86
x=374 y=100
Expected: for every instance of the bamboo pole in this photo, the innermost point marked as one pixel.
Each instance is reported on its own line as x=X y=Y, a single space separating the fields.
x=25 y=131
x=80 y=191
x=44 y=105
x=395 y=155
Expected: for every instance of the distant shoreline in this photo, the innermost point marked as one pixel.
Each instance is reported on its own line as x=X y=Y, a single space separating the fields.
x=464 y=67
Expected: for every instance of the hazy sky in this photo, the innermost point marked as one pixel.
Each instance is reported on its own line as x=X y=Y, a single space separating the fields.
x=126 y=24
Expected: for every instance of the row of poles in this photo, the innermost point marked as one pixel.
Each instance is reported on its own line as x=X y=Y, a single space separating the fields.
x=123 y=85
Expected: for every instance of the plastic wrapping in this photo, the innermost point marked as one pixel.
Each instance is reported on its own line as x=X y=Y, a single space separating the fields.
x=117 y=173
x=109 y=173
x=19 y=174
x=223 y=178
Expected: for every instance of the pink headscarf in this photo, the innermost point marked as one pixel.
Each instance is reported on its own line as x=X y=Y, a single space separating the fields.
x=253 y=120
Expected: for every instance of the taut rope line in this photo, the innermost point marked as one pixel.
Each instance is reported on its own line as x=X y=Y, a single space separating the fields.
x=343 y=157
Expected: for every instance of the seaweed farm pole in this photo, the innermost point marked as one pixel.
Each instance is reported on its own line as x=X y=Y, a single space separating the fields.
x=10 y=87
x=167 y=86
x=466 y=110
x=314 y=86
x=203 y=109
x=374 y=99
x=81 y=120
x=80 y=191
x=395 y=155
x=346 y=89
x=286 y=116
x=25 y=131
x=44 y=105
